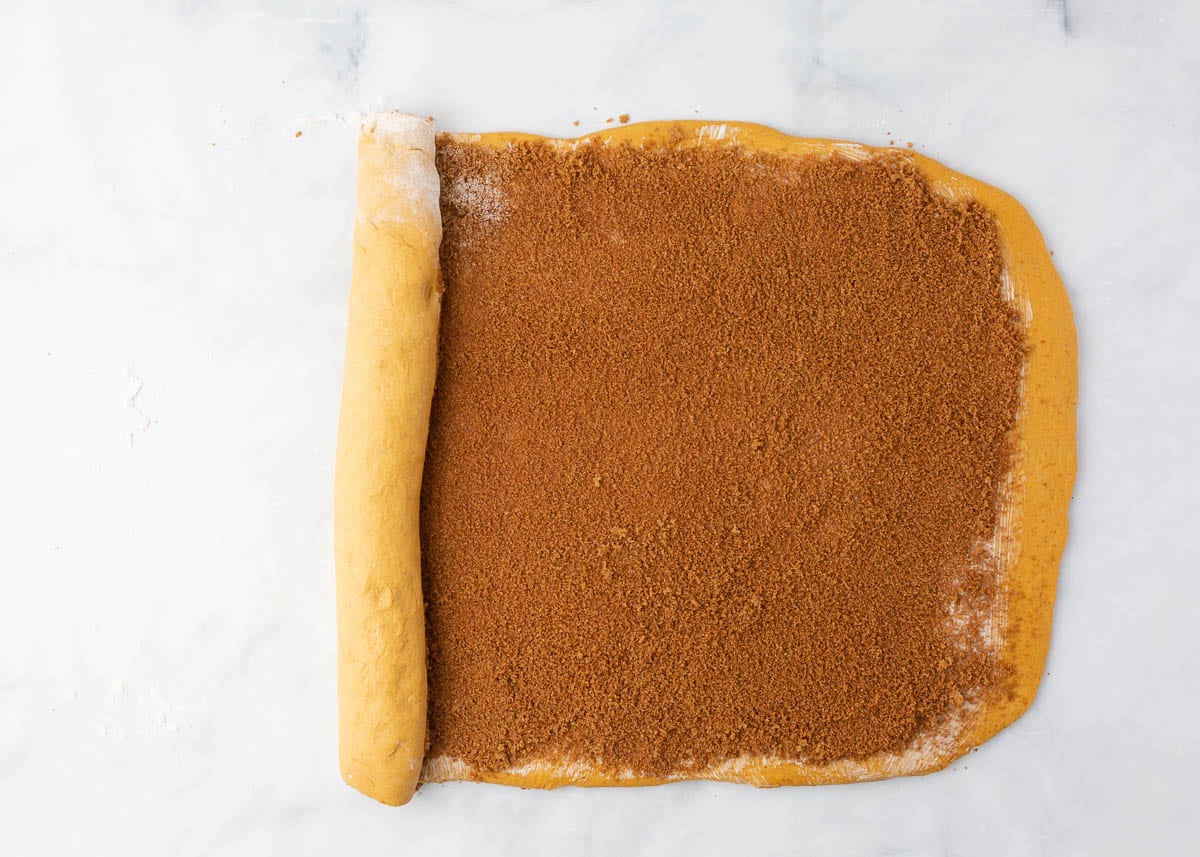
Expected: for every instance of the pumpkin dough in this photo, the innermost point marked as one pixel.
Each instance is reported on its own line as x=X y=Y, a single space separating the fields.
x=389 y=377
x=391 y=357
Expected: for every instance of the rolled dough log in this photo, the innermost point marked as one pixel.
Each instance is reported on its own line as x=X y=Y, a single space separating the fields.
x=391 y=360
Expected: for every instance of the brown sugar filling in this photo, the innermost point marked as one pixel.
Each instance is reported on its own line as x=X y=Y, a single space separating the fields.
x=716 y=453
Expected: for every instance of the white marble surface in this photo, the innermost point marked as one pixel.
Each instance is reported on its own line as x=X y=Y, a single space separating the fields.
x=173 y=273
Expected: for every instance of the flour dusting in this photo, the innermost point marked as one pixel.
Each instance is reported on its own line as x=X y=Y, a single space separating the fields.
x=478 y=197
x=407 y=164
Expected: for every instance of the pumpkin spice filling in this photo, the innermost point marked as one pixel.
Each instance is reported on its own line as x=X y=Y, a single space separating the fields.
x=716 y=459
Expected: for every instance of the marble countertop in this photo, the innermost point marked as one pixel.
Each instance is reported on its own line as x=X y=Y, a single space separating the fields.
x=174 y=261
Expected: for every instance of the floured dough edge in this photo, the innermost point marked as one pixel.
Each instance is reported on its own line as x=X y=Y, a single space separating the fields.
x=391 y=363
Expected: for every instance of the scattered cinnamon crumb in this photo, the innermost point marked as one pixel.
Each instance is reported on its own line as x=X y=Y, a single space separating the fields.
x=623 y=118
x=299 y=133
x=608 y=121
x=909 y=144
x=576 y=122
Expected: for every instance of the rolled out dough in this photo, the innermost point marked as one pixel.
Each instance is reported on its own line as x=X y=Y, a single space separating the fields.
x=389 y=377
